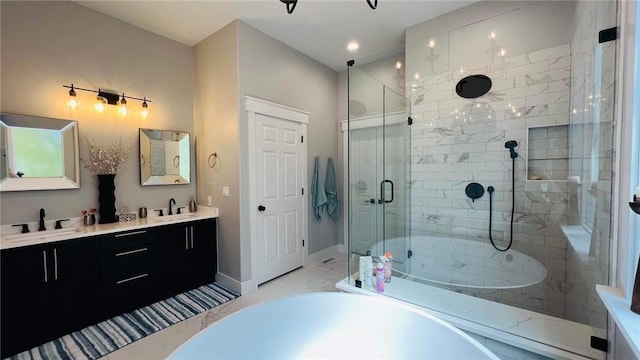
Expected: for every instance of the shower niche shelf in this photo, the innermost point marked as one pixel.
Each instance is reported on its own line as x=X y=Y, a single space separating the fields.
x=548 y=152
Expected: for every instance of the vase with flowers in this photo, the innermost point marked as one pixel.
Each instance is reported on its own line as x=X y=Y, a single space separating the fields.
x=89 y=216
x=105 y=163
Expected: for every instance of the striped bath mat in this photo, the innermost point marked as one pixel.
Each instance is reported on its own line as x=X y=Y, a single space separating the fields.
x=98 y=340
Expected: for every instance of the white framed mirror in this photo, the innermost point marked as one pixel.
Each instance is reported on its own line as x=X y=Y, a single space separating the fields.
x=164 y=157
x=38 y=153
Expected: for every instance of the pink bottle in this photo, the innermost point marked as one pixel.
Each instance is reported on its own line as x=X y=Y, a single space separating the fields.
x=380 y=277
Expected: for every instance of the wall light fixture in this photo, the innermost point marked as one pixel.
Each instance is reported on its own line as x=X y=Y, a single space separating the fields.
x=105 y=98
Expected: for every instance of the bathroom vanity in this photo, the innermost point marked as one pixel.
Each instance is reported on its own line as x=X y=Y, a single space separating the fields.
x=56 y=282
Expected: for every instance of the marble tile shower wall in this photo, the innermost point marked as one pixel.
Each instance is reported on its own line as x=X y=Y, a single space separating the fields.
x=456 y=141
x=592 y=152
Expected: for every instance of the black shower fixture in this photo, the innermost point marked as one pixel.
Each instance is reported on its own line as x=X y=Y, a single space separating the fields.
x=510 y=145
x=473 y=86
x=291 y=4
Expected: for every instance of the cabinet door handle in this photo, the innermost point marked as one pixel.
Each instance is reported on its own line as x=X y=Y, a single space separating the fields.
x=132 y=233
x=55 y=264
x=191 y=236
x=186 y=238
x=132 y=251
x=131 y=279
x=44 y=258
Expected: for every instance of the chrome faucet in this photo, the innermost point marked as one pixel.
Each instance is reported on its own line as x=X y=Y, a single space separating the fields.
x=172 y=200
x=42 y=228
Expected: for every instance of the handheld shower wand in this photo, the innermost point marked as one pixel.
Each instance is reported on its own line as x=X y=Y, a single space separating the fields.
x=511 y=144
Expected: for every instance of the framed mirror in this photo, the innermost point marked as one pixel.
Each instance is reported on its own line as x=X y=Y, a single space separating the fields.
x=164 y=157
x=38 y=153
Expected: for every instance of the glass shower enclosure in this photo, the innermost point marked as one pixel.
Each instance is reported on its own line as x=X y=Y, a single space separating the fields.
x=379 y=149
x=553 y=95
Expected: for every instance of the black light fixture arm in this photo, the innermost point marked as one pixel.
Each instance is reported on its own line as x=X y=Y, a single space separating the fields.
x=105 y=94
x=291 y=5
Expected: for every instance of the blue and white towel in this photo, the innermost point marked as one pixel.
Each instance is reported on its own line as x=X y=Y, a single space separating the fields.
x=318 y=196
x=331 y=189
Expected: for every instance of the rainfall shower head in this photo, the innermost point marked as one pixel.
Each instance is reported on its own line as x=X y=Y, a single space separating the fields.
x=511 y=144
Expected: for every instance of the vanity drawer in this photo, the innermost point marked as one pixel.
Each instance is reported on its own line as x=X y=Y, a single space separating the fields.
x=121 y=266
x=129 y=278
x=127 y=240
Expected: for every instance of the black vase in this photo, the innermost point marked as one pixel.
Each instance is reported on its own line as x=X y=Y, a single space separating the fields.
x=107 y=198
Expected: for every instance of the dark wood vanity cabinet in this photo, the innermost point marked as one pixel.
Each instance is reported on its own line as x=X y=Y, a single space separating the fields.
x=129 y=268
x=187 y=255
x=47 y=291
x=53 y=289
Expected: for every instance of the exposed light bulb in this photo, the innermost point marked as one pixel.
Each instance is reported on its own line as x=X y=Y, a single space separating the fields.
x=99 y=106
x=122 y=106
x=72 y=103
x=432 y=43
x=353 y=46
x=492 y=35
x=145 y=111
x=503 y=52
x=416 y=76
x=398 y=65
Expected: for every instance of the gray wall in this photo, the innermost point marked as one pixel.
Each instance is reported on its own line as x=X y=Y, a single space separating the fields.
x=47 y=44
x=236 y=61
x=270 y=70
x=216 y=116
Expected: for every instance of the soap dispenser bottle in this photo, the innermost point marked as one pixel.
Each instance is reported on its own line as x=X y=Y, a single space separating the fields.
x=192 y=205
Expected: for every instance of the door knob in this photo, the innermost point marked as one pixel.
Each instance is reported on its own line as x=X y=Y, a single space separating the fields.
x=261 y=208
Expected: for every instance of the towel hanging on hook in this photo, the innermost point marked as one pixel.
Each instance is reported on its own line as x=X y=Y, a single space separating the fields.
x=318 y=195
x=331 y=190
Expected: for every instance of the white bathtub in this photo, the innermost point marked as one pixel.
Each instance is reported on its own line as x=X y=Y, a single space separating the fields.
x=462 y=263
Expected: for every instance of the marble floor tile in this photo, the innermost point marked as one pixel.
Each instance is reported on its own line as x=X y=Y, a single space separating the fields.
x=314 y=278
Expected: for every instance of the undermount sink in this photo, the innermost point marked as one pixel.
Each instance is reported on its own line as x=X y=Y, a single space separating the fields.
x=39 y=235
x=173 y=217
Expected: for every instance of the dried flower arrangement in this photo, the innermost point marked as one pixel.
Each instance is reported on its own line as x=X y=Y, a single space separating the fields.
x=106 y=160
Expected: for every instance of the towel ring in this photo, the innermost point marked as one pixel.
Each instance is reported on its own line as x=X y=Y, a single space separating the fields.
x=213 y=160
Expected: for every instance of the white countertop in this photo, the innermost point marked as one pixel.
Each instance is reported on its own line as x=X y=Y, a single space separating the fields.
x=10 y=237
x=331 y=325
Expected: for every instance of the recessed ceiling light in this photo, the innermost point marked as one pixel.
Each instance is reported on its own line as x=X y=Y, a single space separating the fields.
x=353 y=46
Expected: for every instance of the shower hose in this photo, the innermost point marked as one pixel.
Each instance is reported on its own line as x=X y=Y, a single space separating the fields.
x=513 y=206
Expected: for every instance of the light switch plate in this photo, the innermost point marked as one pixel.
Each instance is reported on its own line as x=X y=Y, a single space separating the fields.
x=225 y=191
x=209 y=202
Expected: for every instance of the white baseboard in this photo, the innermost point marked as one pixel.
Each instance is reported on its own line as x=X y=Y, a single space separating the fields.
x=342 y=249
x=235 y=285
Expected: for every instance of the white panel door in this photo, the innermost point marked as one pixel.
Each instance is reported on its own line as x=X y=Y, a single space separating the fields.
x=279 y=196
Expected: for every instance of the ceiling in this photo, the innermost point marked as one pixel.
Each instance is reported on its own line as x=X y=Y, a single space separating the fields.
x=319 y=29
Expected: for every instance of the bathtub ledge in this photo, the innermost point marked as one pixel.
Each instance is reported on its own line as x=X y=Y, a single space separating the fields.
x=542 y=334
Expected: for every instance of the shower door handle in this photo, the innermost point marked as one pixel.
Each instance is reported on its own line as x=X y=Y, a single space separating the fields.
x=382 y=191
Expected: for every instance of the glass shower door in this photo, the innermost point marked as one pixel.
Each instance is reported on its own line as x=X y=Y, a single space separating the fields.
x=378 y=169
x=365 y=163
x=395 y=186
